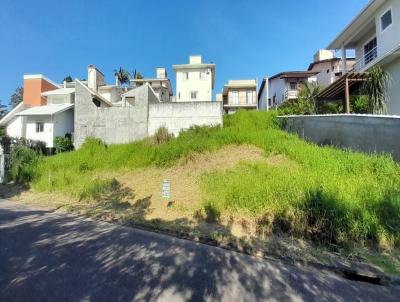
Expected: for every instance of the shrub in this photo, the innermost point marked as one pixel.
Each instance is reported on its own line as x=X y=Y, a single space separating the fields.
x=162 y=136
x=63 y=144
x=331 y=108
x=23 y=163
x=360 y=104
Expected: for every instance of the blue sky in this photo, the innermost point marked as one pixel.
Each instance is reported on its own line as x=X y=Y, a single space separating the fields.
x=246 y=39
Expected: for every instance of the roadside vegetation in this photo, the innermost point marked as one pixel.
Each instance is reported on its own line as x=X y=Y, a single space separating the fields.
x=323 y=194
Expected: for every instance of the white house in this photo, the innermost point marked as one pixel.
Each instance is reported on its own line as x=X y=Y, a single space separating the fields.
x=374 y=34
x=160 y=84
x=238 y=94
x=44 y=123
x=194 y=81
x=328 y=66
x=282 y=87
x=45 y=112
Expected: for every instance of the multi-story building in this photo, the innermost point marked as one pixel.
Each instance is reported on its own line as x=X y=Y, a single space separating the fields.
x=160 y=84
x=282 y=87
x=194 y=81
x=374 y=35
x=239 y=94
x=329 y=66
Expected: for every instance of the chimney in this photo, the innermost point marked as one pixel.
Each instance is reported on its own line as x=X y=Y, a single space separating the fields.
x=161 y=73
x=117 y=83
x=95 y=78
x=65 y=84
x=34 y=85
x=195 y=59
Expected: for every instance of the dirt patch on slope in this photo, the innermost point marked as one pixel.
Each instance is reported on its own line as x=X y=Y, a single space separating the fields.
x=184 y=179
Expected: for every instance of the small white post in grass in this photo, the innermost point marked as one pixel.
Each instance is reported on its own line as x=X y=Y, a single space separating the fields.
x=166 y=189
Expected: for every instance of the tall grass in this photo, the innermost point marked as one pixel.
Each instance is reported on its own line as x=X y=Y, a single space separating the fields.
x=331 y=195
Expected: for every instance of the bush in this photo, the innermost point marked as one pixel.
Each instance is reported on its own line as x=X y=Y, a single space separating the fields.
x=360 y=104
x=331 y=108
x=162 y=136
x=63 y=144
x=23 y=161
x=8 y=143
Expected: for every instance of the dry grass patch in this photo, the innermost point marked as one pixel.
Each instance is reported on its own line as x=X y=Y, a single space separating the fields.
x=186 y=194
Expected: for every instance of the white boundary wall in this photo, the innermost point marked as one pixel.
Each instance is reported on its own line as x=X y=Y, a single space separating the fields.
x=182 y=115
x=367 y=133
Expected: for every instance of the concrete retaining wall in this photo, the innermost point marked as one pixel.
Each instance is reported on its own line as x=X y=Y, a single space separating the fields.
x=182 y=115
x=367 y=133
x=118 y=125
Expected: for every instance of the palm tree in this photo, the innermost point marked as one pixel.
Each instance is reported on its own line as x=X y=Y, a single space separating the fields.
x=308 y=96
x=122 y=75
x=375 y=87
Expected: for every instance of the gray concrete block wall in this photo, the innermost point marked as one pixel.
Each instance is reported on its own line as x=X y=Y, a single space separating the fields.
x=367 y=133
x=113 y=125
x=116 y=125
x=182 y=115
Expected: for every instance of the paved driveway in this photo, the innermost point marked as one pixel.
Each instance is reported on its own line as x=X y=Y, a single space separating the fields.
x=45 y=256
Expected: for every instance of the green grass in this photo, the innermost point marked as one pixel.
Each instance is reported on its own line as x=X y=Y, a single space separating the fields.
x=324 y=193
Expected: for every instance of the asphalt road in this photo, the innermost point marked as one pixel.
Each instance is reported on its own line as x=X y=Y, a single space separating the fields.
x=45 y=256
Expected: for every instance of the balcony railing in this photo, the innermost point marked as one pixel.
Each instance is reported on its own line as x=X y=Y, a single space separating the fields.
x=366 y=59
x=291 y=94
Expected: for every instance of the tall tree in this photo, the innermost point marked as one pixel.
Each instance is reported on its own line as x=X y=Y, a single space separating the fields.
x=122 y=75
x=68 y=79
x=16 y=97
x=375 y=87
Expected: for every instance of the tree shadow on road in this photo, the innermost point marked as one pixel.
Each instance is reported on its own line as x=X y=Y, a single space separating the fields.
x=52 y=257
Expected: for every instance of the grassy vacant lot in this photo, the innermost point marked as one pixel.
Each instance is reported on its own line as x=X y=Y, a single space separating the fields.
x=248 y=177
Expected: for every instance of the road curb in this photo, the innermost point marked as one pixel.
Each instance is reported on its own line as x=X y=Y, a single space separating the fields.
x=345 y=272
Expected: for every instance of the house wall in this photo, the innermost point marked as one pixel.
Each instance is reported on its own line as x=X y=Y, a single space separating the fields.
x=387 y=40
x=60 y=99
x=390 y=38
x=63 y=123
x=15 y=127
x=112 y=94
x=45 y=136
x=263 y=101
x=194 y=83
x=367 y=133
x=393 y=68
x=277 y=87
x=179 y=116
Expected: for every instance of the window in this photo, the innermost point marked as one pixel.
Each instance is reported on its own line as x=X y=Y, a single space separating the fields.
x=193 y=95
x=293 y=86
x=386 y=19
x=235 y=97
x=202 y=75
x=370 y=51
x=250 y=96
x=39 y=127
x=185 y=76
